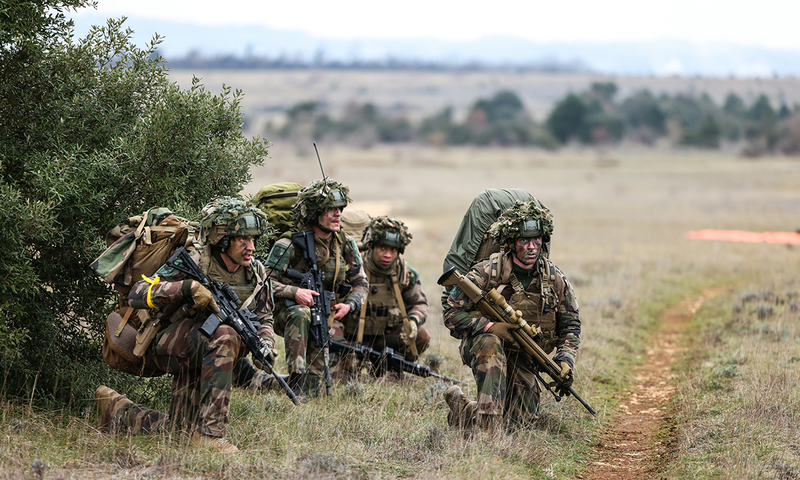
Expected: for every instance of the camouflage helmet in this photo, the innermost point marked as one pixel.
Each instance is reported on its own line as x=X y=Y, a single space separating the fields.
x=523 y=219
x=387 y=231
x=226 y=217
x=317 y=197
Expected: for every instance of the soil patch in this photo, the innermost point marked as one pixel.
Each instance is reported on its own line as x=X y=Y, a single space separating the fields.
x=633 y=446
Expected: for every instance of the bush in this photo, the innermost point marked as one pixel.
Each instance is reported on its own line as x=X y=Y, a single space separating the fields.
x=567 y=118
x=92 y=131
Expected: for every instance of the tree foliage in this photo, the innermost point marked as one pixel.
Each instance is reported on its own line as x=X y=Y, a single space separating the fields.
x=92 y=131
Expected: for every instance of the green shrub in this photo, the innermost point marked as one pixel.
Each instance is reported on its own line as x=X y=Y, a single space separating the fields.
x=92 y=131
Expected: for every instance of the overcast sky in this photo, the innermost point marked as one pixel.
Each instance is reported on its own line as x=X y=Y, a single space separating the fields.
x=768 y=23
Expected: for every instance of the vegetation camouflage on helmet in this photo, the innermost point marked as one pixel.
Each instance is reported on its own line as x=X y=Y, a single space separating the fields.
x=231 y=217
x=387 y=231
x=319 y=196
x=523 y=219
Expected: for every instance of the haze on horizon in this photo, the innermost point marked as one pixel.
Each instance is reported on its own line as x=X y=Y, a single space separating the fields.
x=771 y=24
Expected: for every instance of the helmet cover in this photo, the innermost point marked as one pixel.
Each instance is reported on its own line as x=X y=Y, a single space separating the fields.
x=231 y=217
x=318 y=197
x=523 y=219
x=385 y=230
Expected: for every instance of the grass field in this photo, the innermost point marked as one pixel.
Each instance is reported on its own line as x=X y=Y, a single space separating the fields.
x=620 y=220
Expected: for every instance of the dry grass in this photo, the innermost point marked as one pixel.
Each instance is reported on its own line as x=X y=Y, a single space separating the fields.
x=620 y=217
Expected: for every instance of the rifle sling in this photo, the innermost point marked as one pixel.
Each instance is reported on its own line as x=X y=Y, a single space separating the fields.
x=124 y=321
x=335 y=248
x=406 y=323
x=362 y=315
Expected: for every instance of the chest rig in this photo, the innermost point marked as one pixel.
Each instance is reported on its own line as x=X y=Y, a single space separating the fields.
x=245 y=282
x=538 y=303
x=384 y=308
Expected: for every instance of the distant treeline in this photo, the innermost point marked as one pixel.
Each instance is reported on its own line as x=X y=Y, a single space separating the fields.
x=592 y=117
x=196 y=60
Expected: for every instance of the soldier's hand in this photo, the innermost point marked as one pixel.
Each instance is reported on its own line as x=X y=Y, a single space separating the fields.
x=304 y=296
x=414 y=329
x=566 y=374
x=202 y=297
x=503 y=331
x=342 y=309
x=269 y=353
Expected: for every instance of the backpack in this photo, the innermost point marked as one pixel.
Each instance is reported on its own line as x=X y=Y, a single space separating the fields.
x=277 y=200
x=472 y=242
x=139 y=246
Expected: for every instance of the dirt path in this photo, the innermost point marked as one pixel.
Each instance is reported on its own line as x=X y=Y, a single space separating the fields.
x=629 y=448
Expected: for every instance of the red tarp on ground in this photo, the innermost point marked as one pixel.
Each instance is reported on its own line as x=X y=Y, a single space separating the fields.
x=791 y=238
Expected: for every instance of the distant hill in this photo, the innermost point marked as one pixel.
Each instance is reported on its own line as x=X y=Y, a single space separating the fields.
x=666 y=57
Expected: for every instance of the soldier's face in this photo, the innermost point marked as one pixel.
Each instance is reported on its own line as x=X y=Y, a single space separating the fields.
x=384 y=255
x=526 y=251
x=330 y=219
x=241 y=250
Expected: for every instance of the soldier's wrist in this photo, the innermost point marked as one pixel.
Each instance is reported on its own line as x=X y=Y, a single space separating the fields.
x=487 y=327
x=353 y=305
x=186 y=288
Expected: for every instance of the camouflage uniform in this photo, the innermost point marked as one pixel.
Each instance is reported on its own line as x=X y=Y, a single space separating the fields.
x=338 y=258
x=507 y=387
x=383 y=322
x=202 y=367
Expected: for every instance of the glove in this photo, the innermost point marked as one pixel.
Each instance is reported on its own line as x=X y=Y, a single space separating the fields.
x=503 y=332
x=566 y=372
x=414 y=329
x=202 y=297
x=269 y=353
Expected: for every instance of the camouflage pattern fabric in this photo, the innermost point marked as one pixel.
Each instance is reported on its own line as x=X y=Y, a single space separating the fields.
x=202 y=368
x=201 y=385
x=465 y=322
x=394 y=339
x=293 y=322
x=506 y=386
x=414 y=299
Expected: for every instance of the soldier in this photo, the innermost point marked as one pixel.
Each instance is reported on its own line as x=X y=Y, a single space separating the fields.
x=507 y=388
x=318 y=209
x=202 y=367
x=396 y=305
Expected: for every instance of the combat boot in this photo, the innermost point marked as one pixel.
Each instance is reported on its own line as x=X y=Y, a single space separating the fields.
x=296 y=383
x=108 y=403
x=220 y=444
x=266 y=382
x=462 y=410
x=491 y=425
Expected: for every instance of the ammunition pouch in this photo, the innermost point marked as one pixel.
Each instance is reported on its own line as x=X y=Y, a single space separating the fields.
x=124 y=345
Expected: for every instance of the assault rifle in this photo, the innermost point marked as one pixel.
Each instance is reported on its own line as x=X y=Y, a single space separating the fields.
x=393 y=361
x=242 y=320
x=314 y=279
x=494 y=305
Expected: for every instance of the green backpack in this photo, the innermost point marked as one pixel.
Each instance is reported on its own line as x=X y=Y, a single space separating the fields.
x=276 y=201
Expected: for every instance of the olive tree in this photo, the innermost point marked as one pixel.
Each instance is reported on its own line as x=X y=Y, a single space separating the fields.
x=92 y=130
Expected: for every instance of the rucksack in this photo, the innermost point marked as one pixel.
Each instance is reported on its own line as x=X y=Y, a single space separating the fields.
x=277 y=200
x=139 y=246
x=472 y=242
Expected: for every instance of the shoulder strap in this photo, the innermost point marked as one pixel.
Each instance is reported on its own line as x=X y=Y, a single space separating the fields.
x=406 y=323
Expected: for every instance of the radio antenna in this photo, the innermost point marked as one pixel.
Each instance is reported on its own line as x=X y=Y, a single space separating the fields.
x=324 y=177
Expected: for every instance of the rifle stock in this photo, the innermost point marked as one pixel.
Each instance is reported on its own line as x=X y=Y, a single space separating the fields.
x=493 y=304
x=241 y=320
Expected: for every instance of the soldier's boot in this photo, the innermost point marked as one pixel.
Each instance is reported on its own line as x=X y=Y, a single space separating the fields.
x=490 y=424
x=314 y=385
x=108 y=403
x=268 y=383
x=220 y=444
x=462 y=410
x=296 y=383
